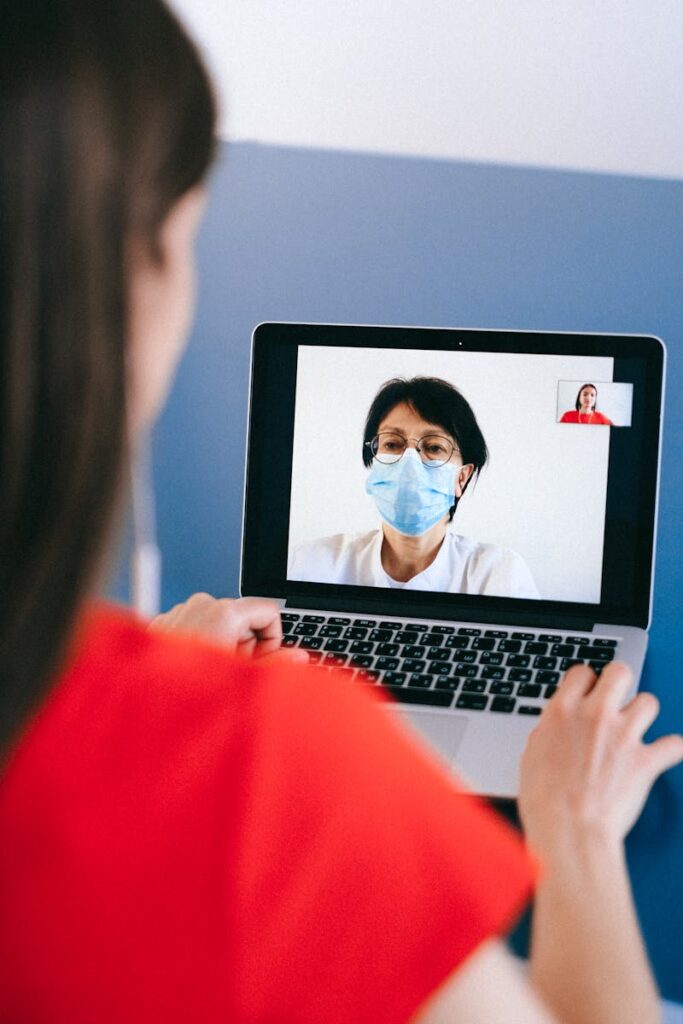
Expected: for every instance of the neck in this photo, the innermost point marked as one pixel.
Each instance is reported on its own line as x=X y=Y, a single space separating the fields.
x=404 y=557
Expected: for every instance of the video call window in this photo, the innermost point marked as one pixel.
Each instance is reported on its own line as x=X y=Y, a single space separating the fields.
x=514 y=521
x=594 y=403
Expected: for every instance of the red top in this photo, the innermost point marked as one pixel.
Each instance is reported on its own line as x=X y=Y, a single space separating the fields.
x=593 y=418
x=190 y=838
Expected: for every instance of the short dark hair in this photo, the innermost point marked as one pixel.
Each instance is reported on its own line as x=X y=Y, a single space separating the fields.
x=578 y=395
x=107 y=119
x=438 y=402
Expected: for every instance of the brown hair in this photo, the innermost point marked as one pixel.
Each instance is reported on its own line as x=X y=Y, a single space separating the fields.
x=106 y=119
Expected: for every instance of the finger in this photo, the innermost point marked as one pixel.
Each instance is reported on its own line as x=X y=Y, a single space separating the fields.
x=577 y=682
x=284 y=654
x=259 y=617
x=663 y=754
x=640 y=713
x=612 y=688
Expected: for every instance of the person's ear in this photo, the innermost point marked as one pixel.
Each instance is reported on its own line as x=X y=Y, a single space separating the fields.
x=462 y=478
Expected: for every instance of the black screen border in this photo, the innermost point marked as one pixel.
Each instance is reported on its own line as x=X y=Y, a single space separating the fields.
x=633 y=463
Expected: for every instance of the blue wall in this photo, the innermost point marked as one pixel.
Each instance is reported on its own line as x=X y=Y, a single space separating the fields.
x=303 y=234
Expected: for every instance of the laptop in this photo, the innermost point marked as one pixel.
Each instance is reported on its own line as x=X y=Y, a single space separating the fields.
x=455 y=516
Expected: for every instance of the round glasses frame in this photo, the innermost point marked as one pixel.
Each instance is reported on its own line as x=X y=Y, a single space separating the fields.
x=421 y=444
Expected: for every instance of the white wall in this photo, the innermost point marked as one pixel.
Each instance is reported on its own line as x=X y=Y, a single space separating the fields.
x=579 y=84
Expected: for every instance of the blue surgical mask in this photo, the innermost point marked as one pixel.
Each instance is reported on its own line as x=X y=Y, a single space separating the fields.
x=410 y=496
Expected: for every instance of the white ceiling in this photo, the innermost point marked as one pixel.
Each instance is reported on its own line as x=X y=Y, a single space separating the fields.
x=582 y=85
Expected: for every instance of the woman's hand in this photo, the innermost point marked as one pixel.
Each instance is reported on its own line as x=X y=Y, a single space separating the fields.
x=585 y=768
x=248 y=626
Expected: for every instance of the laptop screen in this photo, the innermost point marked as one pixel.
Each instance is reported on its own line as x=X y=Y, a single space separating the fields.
x=457 y=468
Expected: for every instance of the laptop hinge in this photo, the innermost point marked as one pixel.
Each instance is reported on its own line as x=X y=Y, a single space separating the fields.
x=446 y=613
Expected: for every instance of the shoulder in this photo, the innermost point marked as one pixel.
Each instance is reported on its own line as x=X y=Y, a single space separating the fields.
x=494 y=570
x=571 y=416
x=325 y=552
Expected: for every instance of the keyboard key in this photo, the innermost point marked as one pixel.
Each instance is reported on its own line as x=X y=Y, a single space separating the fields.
x=367 y=675
x=483 y=644
x=548 y=677
x=596 y=653
x=362 y=660
x=491 y=658
x=446 y=683
x=577 y=639
x=438 y=668
x=444 y=629
x=394 y=679
x=405 y=636
x=290 y=616
x=314 y=656
x=328 y=630
x=493 y=672
x=528 y=690
x=534 y=647
x=504 y=704
x=458 y=642
x=389 y=625
x=469 y=631
x=604 y=642
x=413 y=664
x=417 y=679
x=568 y=662
x=336 y=645
x=551 y=638
x=386 y=664
x=500 y=634
x=518 y=660
x=336 y=620
x=510 y=646
x=413 y=695
x=598 y=666
x=389 y=650
x=359 y=646
x=289 y=641
x=437 y=654
x=355 y=633
x=314 y=618
x=381 y=635
x=523 y=636
x=545 y=662
x=416 y=627
x=314 y=643
x=413 y=651
x=502 y=688
x=549 y=692
x=431 y=639
x=334 y=659
x=305 y=629
x=474 y=686
x=365 y=623
x=472 y=701
x=520 y=675
x=465 y=657
x=529 y=709
x=465 y=671
x=287 y=626
x=562 y=650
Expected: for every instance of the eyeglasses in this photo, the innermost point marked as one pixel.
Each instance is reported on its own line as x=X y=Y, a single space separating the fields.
x=434 y=449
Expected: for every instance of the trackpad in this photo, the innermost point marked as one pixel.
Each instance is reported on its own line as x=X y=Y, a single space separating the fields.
x=443 y=732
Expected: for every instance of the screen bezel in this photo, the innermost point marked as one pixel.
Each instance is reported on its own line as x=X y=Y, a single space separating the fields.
x=628 y=559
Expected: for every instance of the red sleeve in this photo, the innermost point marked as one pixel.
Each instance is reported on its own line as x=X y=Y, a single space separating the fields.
x=365 y=877
x=569 y=417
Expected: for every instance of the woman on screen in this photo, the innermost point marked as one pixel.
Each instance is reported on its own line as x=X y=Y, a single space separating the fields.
x=423 y=447
x=585 y=411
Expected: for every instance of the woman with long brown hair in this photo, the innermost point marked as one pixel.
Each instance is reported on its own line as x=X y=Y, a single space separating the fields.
x=187 y=833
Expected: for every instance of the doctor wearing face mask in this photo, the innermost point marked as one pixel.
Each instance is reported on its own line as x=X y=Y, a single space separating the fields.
x=423 y=447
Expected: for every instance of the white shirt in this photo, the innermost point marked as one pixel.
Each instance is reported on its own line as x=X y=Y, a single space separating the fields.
x=462 y=566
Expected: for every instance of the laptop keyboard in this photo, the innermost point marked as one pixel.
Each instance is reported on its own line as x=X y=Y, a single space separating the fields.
x=466 y=667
